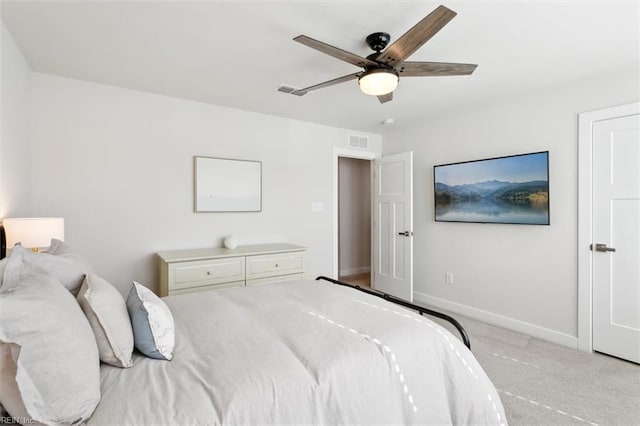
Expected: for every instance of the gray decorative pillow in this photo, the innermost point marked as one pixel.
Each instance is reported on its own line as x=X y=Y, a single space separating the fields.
x=57 y=363
x=152 y=322
x=107 y=313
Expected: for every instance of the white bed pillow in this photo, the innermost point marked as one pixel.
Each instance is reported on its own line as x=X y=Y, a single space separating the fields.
x=152 y=323
x=60 y=248
x=10 y=398
x=57 y=363
x=107 y=313
x=68 y=268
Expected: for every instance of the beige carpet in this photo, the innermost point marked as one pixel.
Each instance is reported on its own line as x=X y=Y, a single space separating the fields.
x=541 y=383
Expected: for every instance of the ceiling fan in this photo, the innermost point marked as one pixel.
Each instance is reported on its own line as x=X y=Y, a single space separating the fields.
x=383 y=68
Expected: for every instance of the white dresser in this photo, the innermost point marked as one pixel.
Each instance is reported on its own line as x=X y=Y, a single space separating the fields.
x=184 y=271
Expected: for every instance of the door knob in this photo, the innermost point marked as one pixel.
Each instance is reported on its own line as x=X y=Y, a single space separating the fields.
x=602 y=247
x=406 y=233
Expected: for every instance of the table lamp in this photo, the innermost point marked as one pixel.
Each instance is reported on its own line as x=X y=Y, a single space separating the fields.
x=31 y=232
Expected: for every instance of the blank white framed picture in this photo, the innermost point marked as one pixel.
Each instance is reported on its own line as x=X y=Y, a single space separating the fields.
x=227 y=185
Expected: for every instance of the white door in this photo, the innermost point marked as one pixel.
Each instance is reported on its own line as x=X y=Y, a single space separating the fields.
x=616 y=226
x=393 y=225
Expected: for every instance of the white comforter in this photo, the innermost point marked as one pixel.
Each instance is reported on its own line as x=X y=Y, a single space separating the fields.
x=297 y=353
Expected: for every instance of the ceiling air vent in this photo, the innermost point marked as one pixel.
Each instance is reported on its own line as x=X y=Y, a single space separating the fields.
x=361 y=142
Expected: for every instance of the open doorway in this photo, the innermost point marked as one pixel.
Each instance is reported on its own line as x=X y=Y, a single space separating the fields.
x=354 y=221
x=391 y=215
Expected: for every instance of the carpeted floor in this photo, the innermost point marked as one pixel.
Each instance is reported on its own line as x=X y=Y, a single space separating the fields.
x=542 y=383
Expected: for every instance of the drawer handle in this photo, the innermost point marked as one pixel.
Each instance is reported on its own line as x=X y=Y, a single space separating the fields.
x=277 y=265
x=208 y=272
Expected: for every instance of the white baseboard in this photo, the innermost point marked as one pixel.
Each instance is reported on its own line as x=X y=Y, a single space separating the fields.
x=499 y=320
x=355 y=271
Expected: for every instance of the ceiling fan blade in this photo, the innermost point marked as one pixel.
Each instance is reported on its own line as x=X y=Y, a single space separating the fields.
x=385 y=98
x=425 y=69
x=418 y=35
x=336 y=52
x=301 y=92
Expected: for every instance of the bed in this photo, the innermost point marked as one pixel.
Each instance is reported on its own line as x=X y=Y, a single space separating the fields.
x=299 y=352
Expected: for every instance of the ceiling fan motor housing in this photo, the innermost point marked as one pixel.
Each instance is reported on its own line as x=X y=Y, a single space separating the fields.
x=378 y=41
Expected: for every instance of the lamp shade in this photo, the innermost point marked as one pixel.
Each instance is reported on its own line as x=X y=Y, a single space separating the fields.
x=378 y=81
x=33 y=232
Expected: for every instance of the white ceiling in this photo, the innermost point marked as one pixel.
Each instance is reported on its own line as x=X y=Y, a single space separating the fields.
x=236 y=53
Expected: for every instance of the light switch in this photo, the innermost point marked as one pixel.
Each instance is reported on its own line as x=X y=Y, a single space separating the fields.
x=448 y=277
x=317 y=206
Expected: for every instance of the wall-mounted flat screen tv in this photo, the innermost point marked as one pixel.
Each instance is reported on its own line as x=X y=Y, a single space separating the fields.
x=512 y=189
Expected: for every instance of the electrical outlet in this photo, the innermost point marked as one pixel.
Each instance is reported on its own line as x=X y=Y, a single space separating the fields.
x=448 y=277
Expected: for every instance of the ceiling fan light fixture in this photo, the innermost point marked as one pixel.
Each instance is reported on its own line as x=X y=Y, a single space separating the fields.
x=378 y=81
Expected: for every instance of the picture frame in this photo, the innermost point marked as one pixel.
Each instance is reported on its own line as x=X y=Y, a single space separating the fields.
x=512 y=189
x=227 y=185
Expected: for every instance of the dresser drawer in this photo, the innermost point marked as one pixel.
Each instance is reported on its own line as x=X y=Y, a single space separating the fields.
x=276 y=279
x=270 y=265
x=206 y=272
x=206 y=287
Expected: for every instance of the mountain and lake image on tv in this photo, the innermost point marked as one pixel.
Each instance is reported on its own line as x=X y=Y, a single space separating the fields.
x=512 y=189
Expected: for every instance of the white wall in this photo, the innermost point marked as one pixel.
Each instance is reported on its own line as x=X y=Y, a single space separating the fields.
x=523 y=277
x=354 y=199
x=117 y=164
x=15 y=75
